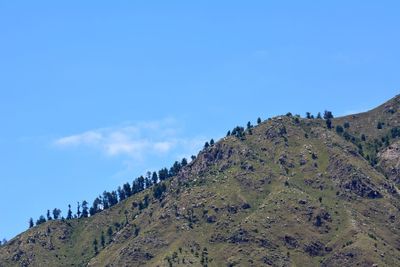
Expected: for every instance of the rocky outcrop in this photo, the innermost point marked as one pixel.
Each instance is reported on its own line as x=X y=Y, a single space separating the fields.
x=389 y=162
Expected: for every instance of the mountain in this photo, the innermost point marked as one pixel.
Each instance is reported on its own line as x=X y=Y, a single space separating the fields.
x=287 y=192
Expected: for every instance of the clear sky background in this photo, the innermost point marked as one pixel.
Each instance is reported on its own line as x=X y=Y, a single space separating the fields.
x=95 y=93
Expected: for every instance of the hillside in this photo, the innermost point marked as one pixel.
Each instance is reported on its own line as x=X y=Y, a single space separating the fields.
x=287 y=192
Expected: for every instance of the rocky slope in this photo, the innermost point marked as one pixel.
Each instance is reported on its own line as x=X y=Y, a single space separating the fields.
x=290 y=192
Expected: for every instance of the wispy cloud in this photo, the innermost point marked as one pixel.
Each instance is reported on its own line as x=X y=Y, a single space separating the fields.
x=84 y=138
x=136 y=140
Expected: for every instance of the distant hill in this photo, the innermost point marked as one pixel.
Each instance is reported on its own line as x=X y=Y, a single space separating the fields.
x=288 y=192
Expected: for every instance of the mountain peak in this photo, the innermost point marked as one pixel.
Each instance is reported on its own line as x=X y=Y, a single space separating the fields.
x=289 y=191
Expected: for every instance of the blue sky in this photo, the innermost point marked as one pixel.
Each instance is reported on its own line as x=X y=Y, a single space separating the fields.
x=94 y=93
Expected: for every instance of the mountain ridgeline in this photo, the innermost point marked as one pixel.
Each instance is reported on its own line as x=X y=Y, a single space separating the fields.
x=291 y=191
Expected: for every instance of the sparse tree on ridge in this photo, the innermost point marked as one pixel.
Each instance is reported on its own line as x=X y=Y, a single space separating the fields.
x=48 y=215
x=135 y=187
x=56 y=213
x=41 y=220
x=140 y=183
x=121 y=193
x=184 y=162
x=258 y=120
x=154 y=178
x=174 y=170
x=85 y=209
x=148 y=181
x=328 y=115
x=163 y=174
x=249 y=126
x=206 y=145
x=128 y=190
x=69 y=214
x=31 y=223
x=96 y=206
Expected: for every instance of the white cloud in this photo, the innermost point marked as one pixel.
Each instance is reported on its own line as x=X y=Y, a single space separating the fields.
x=134 y=140
x=84 y=138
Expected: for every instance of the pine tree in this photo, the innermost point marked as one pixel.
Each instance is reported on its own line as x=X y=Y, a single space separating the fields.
x=175 y=169
x=56 y=213
x=258 y=120
x=206 y=145
x=184 y=162
x=85 y=212
x=148 y=182
x=41 y=220
x=249 y=126
x=69 y=214
x=154 y=177
x=121 y=193
x=128 y=190
x=163 y=174
x=114 y=198
x=31 y=223
x=95 y=207
x=105 y=200
x=140 y=181
x=328 y=115
x=48 y=215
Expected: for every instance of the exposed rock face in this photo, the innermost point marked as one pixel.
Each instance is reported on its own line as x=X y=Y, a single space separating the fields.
x=290 y=192
x=389 y=162
x=352 y=180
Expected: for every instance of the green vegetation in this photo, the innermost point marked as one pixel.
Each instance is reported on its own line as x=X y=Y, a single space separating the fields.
x=289 y=193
